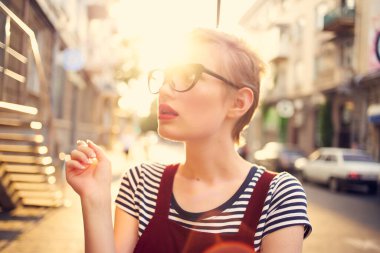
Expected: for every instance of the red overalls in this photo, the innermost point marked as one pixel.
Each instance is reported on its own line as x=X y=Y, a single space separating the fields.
x=165 y=236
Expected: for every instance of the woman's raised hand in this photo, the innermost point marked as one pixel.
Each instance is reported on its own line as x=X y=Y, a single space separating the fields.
x=89 y=170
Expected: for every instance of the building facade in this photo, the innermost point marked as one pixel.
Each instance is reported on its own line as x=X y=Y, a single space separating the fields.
x=366 y=84
x=320 y=53
x=54 y=90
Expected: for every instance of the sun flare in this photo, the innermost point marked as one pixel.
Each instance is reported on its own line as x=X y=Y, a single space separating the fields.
x=160 y=26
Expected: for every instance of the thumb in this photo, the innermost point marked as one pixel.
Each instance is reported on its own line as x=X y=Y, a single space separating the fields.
x=100 y=154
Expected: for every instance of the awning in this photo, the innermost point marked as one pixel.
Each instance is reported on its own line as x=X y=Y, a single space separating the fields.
x=368 y=79
x=373 y=113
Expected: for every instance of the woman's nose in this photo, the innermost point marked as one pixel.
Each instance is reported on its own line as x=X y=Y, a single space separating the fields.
x=166 y=88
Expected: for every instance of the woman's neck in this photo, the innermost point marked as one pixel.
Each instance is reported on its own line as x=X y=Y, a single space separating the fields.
x=212 y=161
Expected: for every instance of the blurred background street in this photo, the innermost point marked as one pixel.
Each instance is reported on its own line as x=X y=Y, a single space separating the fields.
x=344 y=222
x=76 y=69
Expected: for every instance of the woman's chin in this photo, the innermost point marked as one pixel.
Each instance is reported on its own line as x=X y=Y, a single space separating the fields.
x=169 y=135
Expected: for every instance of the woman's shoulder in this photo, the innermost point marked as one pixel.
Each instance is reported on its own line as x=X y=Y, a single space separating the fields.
x=279 y=178
x=285 y=190
x=285 y=205
x=281 y=183
x=285 y=180
x=142 y=172
x=145 y=169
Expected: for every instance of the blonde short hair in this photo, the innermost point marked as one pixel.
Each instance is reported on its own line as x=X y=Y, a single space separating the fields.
x=238 y=63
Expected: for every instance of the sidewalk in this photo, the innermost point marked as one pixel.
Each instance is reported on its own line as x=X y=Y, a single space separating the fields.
x=49 y=230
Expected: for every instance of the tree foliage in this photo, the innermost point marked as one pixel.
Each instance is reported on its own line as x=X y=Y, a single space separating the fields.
x=325 y=125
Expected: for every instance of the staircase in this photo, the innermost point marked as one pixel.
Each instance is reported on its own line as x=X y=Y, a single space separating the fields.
x=27 y=174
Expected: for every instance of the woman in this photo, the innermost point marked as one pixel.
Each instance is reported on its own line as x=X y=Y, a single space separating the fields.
x=215 y=201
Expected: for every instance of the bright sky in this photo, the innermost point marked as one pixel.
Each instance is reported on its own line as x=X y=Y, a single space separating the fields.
x=144 y=16
x=156 y=21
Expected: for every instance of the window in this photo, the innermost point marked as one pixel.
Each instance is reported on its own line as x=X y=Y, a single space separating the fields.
x=299 y=72
x=358 y=158
x=322 y=158
x=299 y=29
x=315 y=156
x=326 y=60
x=331 y=158
x=284 y=34
x=279 y=76
x=347 y=53
x=320 y=13
x=58 y=93
x=350 y=4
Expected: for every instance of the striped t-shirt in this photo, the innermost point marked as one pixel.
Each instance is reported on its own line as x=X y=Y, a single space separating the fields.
x=285 y=204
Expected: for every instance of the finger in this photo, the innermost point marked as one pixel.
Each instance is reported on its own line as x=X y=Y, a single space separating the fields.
x=80 y=157
x=98 y=150
x=87 y=150
x=72 y=164
x=81 y=143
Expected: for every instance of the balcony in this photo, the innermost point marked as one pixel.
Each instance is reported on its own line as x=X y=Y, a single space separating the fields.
x=280 y=52
x=278 y=43
x=332 y=78
x=339 y=20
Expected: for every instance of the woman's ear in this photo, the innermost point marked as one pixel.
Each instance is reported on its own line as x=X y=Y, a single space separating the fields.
x=242 y=102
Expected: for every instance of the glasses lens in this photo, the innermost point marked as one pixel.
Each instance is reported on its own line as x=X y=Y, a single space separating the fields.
x=182 y=78
x=156 y=80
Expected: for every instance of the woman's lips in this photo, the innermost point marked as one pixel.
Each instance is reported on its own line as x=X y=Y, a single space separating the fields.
x=166 y=112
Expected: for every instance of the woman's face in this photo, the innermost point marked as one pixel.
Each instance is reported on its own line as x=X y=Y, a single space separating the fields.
x=200 y=112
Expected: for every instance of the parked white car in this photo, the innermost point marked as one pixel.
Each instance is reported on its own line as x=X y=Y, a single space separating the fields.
x=339 y=168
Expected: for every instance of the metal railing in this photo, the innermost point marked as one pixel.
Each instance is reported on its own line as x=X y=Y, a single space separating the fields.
x=9 y=52
x=26 y=168
x=344 y=13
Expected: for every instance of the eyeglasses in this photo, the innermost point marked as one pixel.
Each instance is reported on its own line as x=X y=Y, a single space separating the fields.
x=180 y=78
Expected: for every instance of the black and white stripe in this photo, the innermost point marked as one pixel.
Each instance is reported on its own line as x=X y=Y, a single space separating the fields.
x=285 y=204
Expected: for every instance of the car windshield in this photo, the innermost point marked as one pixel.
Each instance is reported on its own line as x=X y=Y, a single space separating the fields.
x=358 y=158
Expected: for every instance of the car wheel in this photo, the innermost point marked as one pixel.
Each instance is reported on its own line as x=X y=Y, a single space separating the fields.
x=372 y=188
x=334 y=185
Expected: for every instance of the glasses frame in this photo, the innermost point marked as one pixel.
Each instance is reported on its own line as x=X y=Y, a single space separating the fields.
x=199 y=70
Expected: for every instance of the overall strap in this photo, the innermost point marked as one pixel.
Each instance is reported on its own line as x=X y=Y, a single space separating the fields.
x=256 y=203
x=165 y=190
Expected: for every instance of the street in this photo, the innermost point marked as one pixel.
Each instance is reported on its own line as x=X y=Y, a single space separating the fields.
x=342 y=222
x=346 y=222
